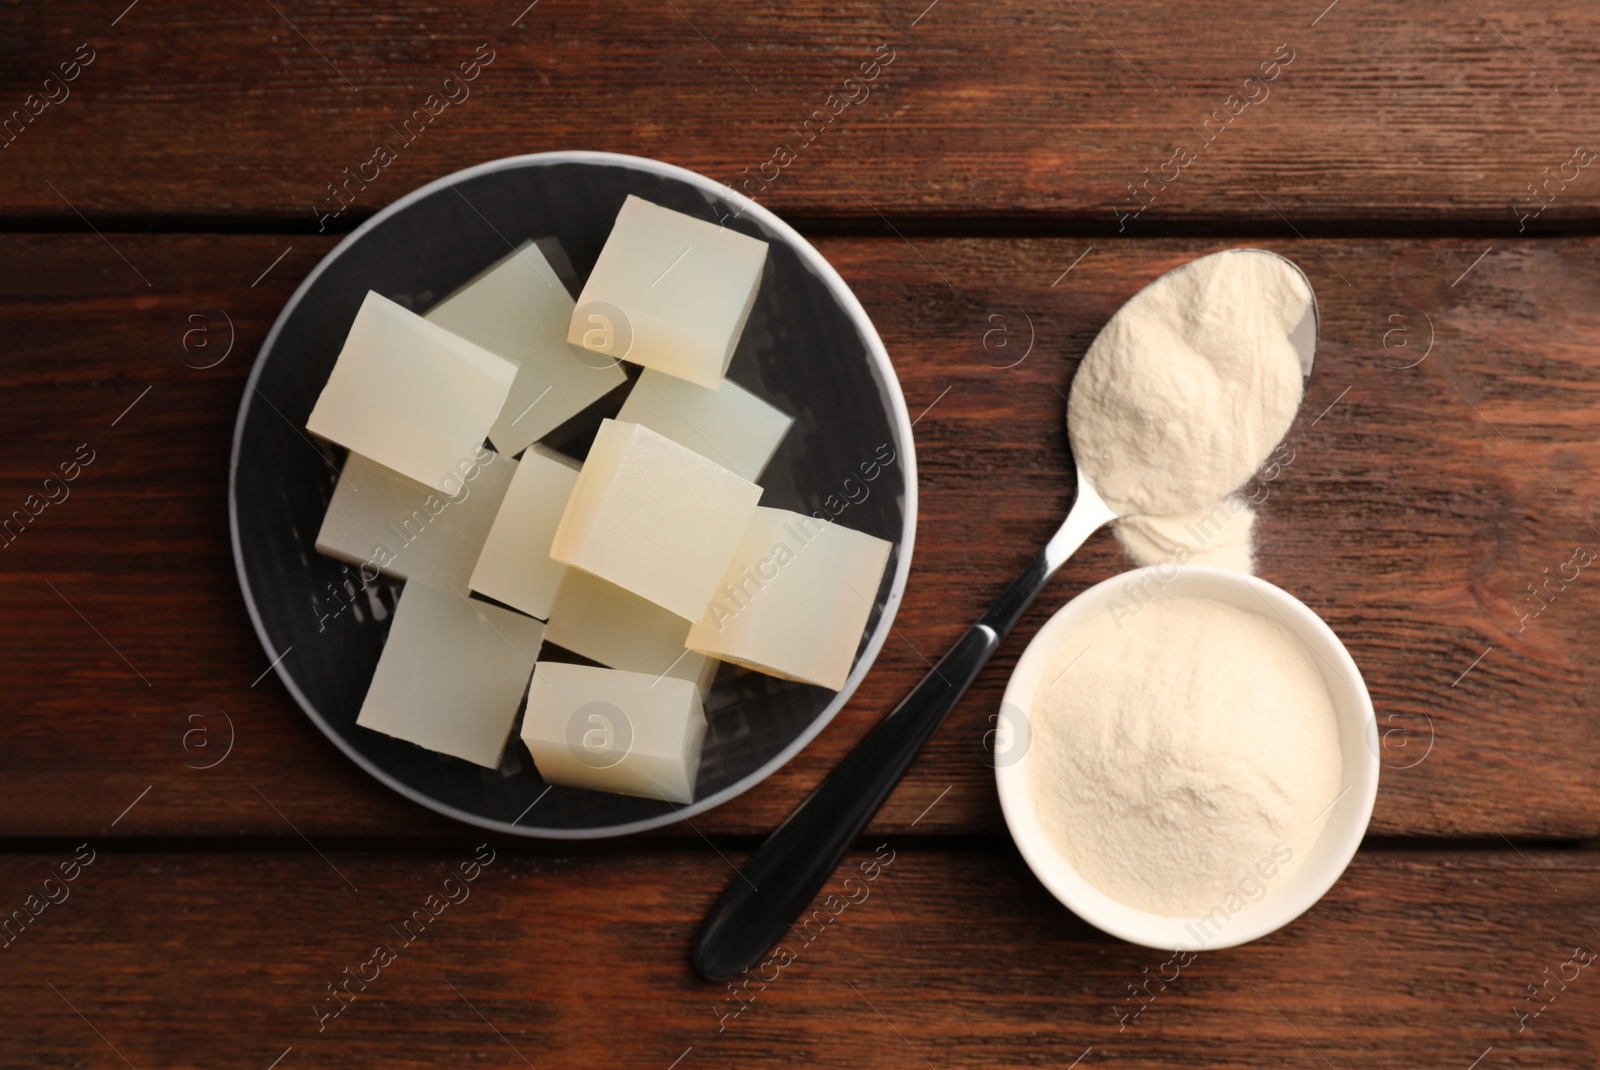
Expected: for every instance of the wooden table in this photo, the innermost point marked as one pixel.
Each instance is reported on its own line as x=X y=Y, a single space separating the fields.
x=1004 y=180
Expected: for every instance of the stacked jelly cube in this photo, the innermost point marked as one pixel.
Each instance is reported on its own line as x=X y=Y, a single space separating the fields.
x=651 y=558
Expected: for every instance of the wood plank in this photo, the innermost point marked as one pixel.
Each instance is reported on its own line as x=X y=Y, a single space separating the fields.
x=1013 y=109
x=944 y=958
x=1421 y=503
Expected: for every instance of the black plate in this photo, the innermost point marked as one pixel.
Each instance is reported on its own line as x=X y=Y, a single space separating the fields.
x=808 y=348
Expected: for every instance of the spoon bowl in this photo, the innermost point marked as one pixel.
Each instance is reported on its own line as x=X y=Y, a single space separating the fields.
x=1089 y=512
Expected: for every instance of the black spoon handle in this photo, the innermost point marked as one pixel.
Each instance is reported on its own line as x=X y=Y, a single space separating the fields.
x=784 y=875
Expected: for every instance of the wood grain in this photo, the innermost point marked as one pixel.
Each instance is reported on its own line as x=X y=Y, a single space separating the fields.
x=944 y=959
x=1420 y=504
x=1007 y=111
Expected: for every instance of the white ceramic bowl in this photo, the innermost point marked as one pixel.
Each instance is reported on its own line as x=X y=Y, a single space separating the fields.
x=1342 y=829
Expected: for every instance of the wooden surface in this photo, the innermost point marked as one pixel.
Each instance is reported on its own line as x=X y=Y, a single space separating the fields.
x=1018 y=110
x=946 y=958
x=1448 y=453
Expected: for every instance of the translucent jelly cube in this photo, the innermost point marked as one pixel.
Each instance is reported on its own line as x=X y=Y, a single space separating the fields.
x=654 y=518
x=604 y=623
x=670 y=292
x=795 y=598
x=452 y=674
x=520 y=310
x=409 y=394
x=381 y=520
x=627 y=732
x=725 y=423
x=515 y=565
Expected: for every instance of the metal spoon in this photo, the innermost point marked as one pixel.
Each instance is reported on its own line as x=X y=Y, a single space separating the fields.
x=780 y=880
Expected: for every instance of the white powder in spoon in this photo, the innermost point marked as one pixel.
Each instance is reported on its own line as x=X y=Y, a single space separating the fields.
x=1220 y=536
x=1183 y=395
x=1184 y=756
